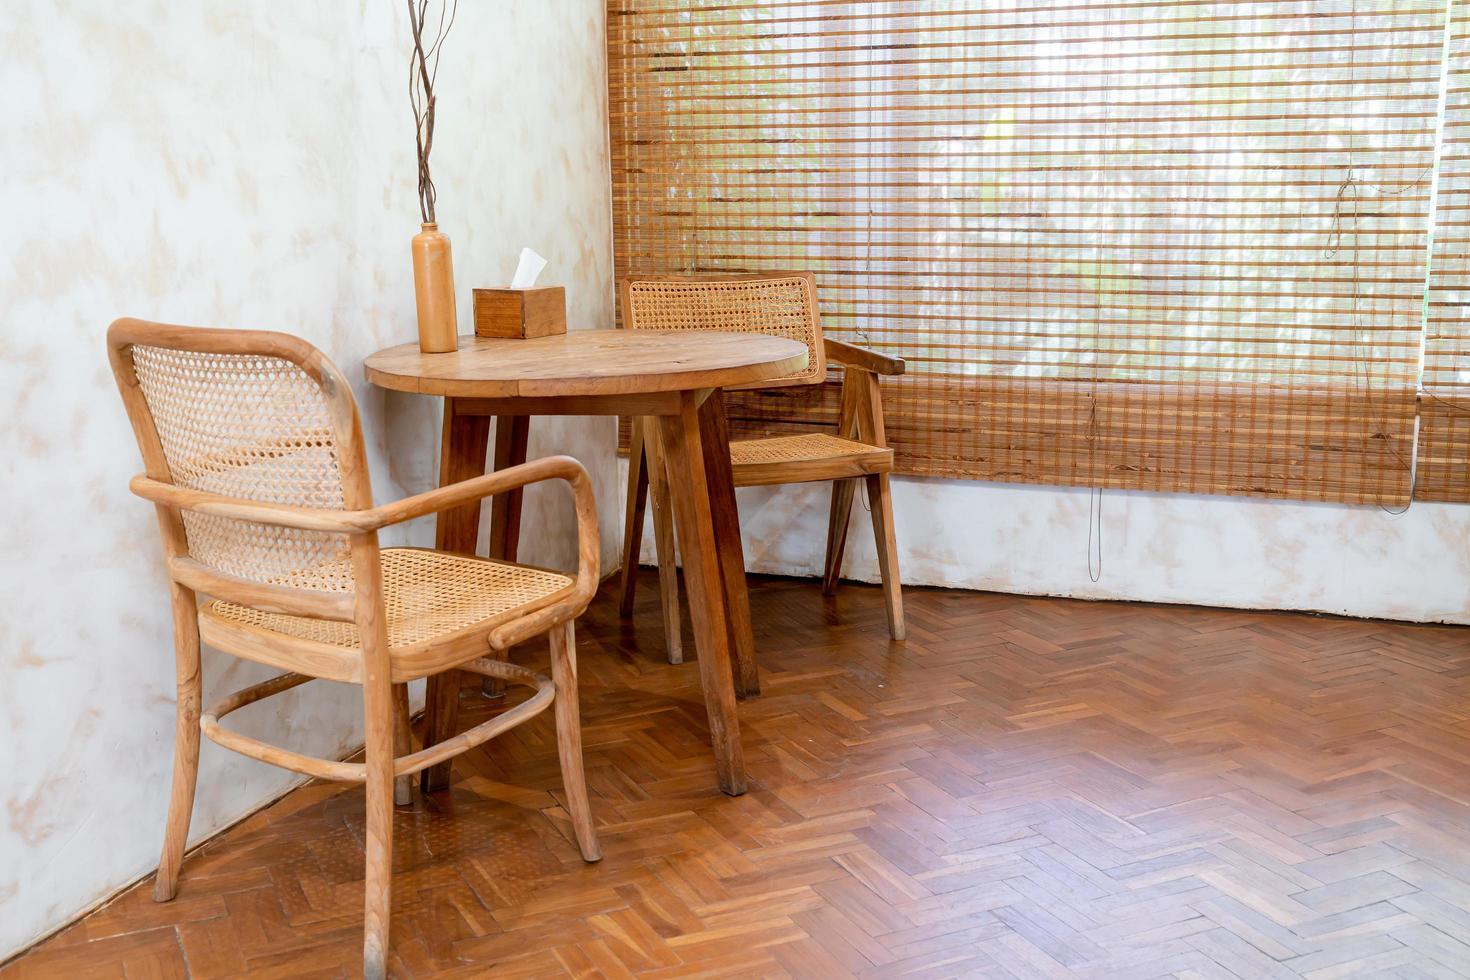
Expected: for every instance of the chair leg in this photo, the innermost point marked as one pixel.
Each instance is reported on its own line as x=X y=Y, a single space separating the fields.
x=881 y=501
x=633 y=520
x=663 y=536
x=402 y=743
x=186 y=744
x=378 y=880
x=493 y=688
x=837 y=519
x=569 y=738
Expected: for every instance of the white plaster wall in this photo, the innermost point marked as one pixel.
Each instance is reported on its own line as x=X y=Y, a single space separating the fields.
x=1211 y=551
x=246 y=165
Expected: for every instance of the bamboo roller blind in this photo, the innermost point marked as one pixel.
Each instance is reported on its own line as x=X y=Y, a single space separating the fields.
x=1172 y=246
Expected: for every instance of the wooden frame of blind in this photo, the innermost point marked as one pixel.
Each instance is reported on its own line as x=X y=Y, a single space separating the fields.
x=1173 y=246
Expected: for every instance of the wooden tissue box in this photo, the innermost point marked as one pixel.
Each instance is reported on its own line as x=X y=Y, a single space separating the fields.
x=521 y=314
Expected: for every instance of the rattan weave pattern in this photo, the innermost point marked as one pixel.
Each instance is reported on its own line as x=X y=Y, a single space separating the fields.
x=786 y=449
x=778 y=307
x=426 y=595
x=257 y=428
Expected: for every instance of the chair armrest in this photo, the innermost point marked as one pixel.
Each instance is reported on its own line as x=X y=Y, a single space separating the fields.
x=238 y=509
x=433 y=501
x=850 y=355
x=457 y=494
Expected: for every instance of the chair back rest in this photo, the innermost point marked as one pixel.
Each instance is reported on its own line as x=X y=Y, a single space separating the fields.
x=779 y=304
x=254 y=416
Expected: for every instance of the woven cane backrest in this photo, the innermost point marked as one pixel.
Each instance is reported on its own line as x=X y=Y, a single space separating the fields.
x=779 y=305
x=254 y=427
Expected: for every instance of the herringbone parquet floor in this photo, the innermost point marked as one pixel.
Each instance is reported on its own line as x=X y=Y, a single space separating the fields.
x=1028 y=788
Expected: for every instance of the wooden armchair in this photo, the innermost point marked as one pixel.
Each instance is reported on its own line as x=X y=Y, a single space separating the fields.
x=785 y=305
x=253 y=454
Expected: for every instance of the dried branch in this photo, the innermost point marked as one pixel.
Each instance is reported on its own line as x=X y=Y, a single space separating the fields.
x=423 y=70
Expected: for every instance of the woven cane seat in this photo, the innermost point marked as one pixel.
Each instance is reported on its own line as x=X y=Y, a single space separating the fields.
x=800 y=458
x=434 y=602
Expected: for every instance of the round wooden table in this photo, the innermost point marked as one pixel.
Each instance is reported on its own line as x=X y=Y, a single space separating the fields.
x=674 y=378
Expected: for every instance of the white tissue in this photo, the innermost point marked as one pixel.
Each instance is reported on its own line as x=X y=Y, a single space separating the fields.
x=527 y=269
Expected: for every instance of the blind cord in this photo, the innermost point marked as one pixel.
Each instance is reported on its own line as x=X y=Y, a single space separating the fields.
x=1094 y=494
x=1094 y=523
x=1362 y=366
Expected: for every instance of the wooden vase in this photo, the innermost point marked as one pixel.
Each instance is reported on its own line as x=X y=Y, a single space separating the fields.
x=433 y=283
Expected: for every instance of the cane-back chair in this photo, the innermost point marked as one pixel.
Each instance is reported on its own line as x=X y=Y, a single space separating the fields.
x=783 y=305
x=253 y=454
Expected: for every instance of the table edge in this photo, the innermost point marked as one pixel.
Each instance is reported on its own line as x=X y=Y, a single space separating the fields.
x=551 y=388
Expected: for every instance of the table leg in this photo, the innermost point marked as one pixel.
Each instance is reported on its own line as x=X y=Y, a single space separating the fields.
x=664 y=544
x=683 y=444
x=637 y=503
x=511 y=432
x=715 y=437
x=462 y=452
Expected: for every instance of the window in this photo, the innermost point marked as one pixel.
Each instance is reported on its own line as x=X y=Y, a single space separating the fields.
x=1173 y=246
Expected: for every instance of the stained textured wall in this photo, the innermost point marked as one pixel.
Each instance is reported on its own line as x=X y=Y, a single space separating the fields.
x=245 y=165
